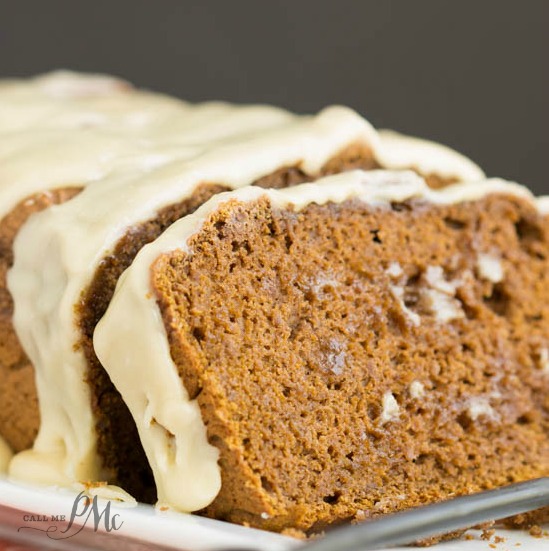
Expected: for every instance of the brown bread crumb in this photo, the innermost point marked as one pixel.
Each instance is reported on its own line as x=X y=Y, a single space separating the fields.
x=286 y=329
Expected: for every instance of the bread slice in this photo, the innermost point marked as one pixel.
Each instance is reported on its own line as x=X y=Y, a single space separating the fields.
x=337 y=350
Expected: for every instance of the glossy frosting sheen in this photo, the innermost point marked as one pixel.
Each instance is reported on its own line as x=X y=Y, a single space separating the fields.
x=131 y=336
x=64 y=129
x=140 y=152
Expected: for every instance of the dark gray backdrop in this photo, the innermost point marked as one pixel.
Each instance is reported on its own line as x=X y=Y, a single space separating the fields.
x=470 y=73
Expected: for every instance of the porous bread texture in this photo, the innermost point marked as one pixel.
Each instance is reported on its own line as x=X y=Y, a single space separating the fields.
x=353 y=360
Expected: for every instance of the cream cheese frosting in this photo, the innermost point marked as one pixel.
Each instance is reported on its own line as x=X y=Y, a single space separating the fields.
x=66 y=129
x=139 y=152
x=70 y=129
x=131 y=337
x=403 y=152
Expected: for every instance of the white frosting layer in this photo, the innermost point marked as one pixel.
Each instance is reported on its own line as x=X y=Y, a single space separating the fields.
x=66 y=129
x=131 y=338
x=141 y=152
x=401 y=152
x=5 y=455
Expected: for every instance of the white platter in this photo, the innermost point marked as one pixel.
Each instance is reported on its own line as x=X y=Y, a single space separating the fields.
x=143 y=527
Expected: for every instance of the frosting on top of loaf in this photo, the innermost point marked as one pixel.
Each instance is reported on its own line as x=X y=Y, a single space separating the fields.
x=69 y=129
x=404 y=152
x=66 y=129
x=131 y=336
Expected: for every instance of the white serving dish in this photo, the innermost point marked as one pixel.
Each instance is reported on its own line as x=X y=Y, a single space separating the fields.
x=26 y=513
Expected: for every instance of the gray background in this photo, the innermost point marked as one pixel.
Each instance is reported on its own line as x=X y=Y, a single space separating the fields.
x=470 y=73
